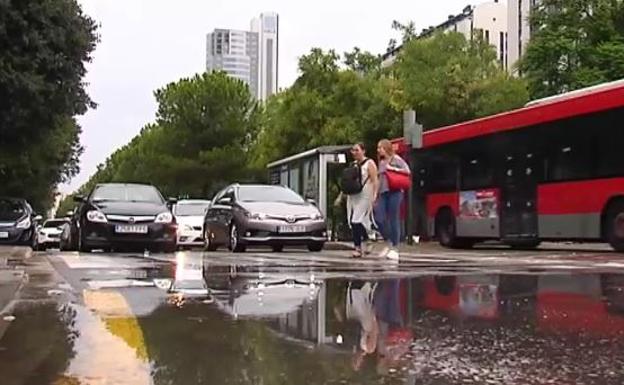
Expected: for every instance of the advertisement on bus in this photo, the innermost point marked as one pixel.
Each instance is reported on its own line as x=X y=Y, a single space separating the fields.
x=479 y=204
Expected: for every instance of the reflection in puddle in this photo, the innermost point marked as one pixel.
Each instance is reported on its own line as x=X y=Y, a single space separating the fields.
x=109 y=351
x=200 y=325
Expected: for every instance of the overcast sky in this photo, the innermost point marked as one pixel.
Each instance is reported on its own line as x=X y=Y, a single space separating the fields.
x=149 y=43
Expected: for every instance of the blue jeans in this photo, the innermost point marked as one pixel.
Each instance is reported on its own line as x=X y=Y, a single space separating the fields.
x=388 y=216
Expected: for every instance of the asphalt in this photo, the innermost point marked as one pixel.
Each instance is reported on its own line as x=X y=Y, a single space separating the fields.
x=484 y=316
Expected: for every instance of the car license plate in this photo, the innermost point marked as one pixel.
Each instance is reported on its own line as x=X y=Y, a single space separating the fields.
x=292 y=229
x=131 y=229
x=4 y=235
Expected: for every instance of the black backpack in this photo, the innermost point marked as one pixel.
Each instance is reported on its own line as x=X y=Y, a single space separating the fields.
x=351 y=182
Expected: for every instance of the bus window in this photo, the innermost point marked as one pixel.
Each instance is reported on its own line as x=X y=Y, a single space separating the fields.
x=442 y=175
x=476 y=172
x=569 y=162
x=610 y=139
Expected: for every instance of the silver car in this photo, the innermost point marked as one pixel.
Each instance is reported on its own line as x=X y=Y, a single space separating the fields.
x=243 y=215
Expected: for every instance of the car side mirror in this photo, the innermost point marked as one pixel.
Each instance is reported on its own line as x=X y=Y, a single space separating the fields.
x=79 y=198
x=311 y=201
x=172 y=201
x=38 y=218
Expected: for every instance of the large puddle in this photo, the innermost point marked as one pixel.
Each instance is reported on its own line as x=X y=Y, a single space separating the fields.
x=203 y=324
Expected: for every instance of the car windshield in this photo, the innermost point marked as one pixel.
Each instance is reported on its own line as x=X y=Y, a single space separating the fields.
x=268 y=194
x=54 y=223
x=190 y=209
x=127 y=193
x=11 y=210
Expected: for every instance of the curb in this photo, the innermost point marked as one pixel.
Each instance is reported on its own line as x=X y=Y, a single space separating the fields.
x=338 y=246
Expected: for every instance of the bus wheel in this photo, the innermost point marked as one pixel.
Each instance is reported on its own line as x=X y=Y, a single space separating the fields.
x=445 y=228
x=615 y=225
x=446 y=231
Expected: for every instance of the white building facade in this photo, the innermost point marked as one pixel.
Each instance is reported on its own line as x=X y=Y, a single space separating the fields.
x=519 y=28
x=235 y=53
x=250 y=56
x=267 y=29
x=490 y=18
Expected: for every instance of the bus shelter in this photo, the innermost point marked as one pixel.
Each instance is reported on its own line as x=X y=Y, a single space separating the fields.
x=314 y=174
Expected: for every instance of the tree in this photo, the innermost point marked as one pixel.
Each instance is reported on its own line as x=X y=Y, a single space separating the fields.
x=448 y=79
x=362 y=62
x=327 y=105
x=200 y=141
x=408 y=30
x=574 y=44
x=45 y=45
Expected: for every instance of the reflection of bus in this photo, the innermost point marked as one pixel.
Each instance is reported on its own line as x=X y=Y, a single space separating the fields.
x=580 y=304
x=550 y=171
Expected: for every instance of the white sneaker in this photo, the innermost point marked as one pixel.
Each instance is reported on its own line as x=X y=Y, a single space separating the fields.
x=393 y=255
x=384 y=252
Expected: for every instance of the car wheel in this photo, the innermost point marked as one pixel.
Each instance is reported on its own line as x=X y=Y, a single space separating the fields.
x=277 y=248
x=316 y=246
x=81 y=246
x=209 y=245
x=615 y=225
x=236 y=245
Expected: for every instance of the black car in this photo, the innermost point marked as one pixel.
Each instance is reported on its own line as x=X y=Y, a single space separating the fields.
x=276 y=216
x=119 y=216
x=18 y=223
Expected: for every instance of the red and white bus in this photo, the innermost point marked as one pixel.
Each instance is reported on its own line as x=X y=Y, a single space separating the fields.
x=553 y=170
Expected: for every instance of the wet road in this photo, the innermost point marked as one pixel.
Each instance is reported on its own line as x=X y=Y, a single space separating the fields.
x=477 y=317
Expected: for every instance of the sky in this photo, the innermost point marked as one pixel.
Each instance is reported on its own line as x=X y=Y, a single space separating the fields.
x=146 y=44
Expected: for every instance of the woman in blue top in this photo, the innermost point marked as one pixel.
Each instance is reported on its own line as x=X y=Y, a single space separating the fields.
x=388 y=208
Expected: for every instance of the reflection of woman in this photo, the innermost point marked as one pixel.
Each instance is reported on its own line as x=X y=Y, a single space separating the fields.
x=393 y=338
x=359 y=307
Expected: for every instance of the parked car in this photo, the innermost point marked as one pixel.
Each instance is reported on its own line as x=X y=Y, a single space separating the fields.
x=121 y=215
x=18 y=222
x=49 y=235
x=189 y=214
x=243 y=215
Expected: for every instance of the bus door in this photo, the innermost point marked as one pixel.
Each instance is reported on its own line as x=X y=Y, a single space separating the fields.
x=519 y=220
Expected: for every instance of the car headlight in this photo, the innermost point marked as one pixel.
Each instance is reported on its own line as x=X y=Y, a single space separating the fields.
x=318 y=217
x=96 y=216
x=257 y=216
x=24 y=223
x=165 y=217
x=188 y=228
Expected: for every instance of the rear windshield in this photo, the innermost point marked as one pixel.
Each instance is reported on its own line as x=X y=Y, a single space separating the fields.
x=54 y=223
x=268 y=194
x=129 y=193
x=190 y=209
x=11 y=210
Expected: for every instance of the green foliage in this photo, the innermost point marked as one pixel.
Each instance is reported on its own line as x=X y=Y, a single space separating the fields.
x=45 y=44
x=448 y=79
x=328 y=105
x=199 y=143
x=575 y=44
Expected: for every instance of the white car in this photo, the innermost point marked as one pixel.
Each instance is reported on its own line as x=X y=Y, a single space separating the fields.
x=49 y=235
x=189 y=216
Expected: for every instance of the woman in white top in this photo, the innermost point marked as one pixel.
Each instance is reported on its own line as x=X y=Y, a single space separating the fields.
x=360 y=206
